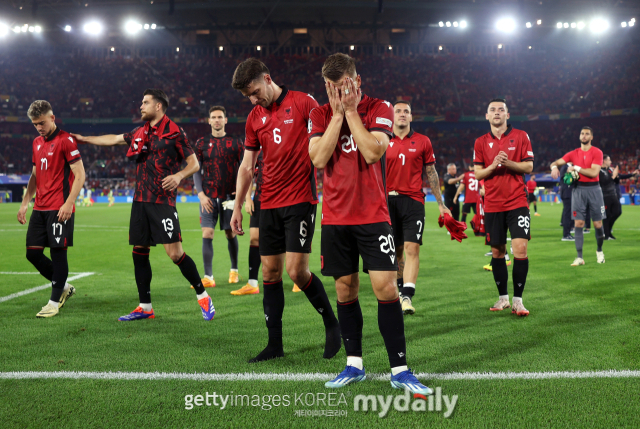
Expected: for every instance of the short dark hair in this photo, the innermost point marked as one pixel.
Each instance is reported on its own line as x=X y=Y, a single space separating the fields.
x=497 y=100
x=159 y=96
x=587 y=128
x=604 y=156
x=337 y=65
x=248 y=71
x=39 y=108
x=403 y=102
x=221 y=108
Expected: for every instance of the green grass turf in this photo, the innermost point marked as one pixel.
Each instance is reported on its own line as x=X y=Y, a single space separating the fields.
x=582 y=319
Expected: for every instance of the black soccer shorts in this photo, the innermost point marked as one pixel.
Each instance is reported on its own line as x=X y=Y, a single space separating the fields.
x=45 y=230
x=254 y=221
x=343 y=245
x=407 y=219
x=153 y=224
x=467 y=207
x=287 y=229
x=532 y=198
x=517 y=221
x=209 y=220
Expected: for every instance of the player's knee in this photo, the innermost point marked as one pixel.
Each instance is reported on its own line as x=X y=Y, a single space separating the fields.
x=207 y=233
x=229 y=234
x=412 y=250
x=254 y=242
x=300 y=276
x=175 y=255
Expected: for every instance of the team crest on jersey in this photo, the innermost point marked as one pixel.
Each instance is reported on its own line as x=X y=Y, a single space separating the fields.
x=511 y=141
x=288 y=115
x=229 y=143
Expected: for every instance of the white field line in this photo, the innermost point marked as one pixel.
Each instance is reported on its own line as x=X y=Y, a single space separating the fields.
x=252 y=376
x=19 y=273
x=37 y=288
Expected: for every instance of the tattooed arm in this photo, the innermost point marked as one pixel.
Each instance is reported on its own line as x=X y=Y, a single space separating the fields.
x=434 y=182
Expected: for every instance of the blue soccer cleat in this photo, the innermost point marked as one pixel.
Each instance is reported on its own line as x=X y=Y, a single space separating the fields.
x=137 y=314
x=351 y=374
x=406 y=380
x=206 y=305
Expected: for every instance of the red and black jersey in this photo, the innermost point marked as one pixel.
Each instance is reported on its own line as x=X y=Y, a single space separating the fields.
x=219 y=159
x=470 y=187
x=52 y=157
x=584 y=159
x=406 y=158
x=355 y=193
x=504 y=188
x=258 y=176
x=531 y=186
x=162 y=158
x=280 y=130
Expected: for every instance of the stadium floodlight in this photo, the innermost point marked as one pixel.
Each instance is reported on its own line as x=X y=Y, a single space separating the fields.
x=4 y=29
x=153 y=26
x=623 y=24
x=632 y=23
x=146 y=26
x=506 y=25
x=559 y=25
x=67 y=28
x=598 y=25
x=574 y=25
x=390 y=47
x=500 y=46
x=463 y=24
x=441 y=24
x=528 y=25
x=132 y=27
x=92 y=27
x=539 y=22
x=113 y=49
x=258 y=48
x=37 y=29
x=350 y=47
x=565 y=25
x=24 y=28
x=31 y=29
x=220 y=48
x=530 y=48
x=455 y=24
x=440 y=48
x=580 y=25
x=16 y=29
x=448 y=23
x=177 y=49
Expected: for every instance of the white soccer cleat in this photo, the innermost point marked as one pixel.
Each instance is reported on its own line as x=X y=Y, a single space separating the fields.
x=600 y=256
x=47 y=311
x=579 y=261
x=500 y=305
x=518 y=308
x=66 y=295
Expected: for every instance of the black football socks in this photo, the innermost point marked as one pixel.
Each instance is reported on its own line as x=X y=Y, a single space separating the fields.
x=520 y=270
x=190 y=272
x=40 y=261
x=254 y=262
x=207 y=256
x=391 y=325
x=317 y=296
x=400 y=284
x=500 y=275
x=273 y=305
x=143 y=273
x=600 y=238
x=60 y=272
x=232 y=245
x=350 y=317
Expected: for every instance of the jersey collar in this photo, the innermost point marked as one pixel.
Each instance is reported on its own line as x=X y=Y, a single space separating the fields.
x=53 y=135
x=506 y=133
x=280 y=99
x=407 y=136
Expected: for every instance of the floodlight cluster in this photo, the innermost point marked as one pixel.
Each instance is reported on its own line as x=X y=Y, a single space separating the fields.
x=455 y=24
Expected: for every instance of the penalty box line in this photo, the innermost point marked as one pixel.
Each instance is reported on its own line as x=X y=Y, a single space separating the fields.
x=252 y=376
x=38 y=288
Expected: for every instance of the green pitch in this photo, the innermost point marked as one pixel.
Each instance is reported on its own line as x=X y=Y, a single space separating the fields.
x=582 y=319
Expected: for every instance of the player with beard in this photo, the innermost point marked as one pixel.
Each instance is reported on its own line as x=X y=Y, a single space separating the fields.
x=158 y=149
x=409 y=157
x=586 y=197
x=348 y=138
x=502 y=157
x=277 y=125
x=57 y=176
x=219 y=156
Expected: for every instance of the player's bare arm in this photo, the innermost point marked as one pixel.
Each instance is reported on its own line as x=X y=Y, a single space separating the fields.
x=65 y=212
x=524 y=167
x=173 y=181
x=245 y=177
x=592 y=172
x=106 y=140
x=434 y=182
x=458 y=193
x=555 y=172
x=372 y=145
x=321 y=148
x=248 y=203
x=31 y=191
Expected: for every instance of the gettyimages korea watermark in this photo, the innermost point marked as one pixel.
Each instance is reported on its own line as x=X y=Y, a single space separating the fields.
x=329 y=404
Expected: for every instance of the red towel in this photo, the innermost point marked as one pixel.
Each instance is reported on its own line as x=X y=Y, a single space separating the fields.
x=166 y=129
x=455 y=228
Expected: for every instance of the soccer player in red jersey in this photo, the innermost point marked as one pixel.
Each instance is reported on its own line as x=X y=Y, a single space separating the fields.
x=502 y=157
x=158 y=149
x=586 y=198
x=219 y=156
x=278 y=125
x=348 y=138
x=468 y=186
x=408 y=156
x=56 y=178
x=532 y=198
